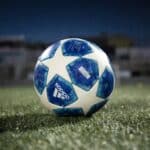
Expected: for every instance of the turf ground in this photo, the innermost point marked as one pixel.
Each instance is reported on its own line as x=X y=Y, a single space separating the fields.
x=123 y=124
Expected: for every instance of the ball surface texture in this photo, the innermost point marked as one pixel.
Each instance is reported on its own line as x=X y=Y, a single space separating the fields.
x=73 y=77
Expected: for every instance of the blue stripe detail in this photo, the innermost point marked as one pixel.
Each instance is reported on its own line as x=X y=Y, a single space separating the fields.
x=49 y=52
x=69 y=112
x=77 y=77
x=96 y=107
x=106 y=84
x=40 y=77
x=76 y=47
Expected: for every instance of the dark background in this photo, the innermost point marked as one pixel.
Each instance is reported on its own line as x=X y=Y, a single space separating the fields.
x=48 y=20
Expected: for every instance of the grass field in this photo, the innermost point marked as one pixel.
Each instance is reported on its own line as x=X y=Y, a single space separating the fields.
x=123 y=124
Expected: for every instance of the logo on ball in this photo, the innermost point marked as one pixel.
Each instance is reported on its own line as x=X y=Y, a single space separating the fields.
x=60 y=93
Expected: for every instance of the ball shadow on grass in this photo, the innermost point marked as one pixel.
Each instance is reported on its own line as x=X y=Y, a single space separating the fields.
x=35 y=121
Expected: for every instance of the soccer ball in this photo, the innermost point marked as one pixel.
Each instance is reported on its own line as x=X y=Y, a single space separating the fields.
x=73 y=77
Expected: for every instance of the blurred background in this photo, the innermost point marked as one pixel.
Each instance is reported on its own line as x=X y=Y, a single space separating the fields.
x=120 y=28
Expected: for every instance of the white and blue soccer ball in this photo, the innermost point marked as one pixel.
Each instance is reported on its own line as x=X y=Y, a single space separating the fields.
x=73 y=77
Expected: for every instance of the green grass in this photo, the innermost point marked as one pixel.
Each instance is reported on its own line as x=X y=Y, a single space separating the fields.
x=124 y=123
